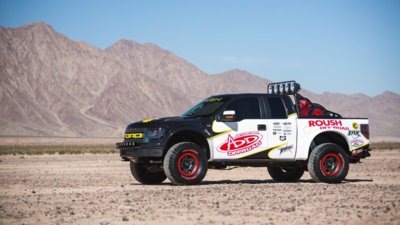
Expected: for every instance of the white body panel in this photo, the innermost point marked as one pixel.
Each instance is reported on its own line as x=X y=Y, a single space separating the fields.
x=237 y=139
x=244 y=138
x=284 y=139
x=349 y=129
x=282 y=133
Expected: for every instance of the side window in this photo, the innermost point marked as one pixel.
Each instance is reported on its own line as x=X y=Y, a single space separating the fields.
x=277 y=108
x=245 y=108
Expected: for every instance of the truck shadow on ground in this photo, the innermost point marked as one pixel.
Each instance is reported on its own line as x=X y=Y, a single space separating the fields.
x=272 y=181
x=252 y=181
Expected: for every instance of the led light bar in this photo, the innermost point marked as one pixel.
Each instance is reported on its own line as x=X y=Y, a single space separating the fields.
x=283 y=88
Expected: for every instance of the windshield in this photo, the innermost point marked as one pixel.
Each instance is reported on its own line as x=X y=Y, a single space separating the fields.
x=206 y=107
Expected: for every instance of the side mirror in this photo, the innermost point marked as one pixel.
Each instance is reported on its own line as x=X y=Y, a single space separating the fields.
x=227 y=116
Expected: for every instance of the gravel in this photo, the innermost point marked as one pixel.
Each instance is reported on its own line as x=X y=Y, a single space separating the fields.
x=99 y=189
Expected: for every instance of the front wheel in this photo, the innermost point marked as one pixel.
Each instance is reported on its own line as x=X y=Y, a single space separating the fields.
x=145 y=175
x=285 y=174
x=328 y=163
x=185 y=164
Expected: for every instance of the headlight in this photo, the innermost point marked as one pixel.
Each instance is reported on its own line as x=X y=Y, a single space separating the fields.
x=270 y=89
x=281 y=90
x=154 y=133
x=276 y=89
x=287 y=88
x=284 y=88
x=292 y=87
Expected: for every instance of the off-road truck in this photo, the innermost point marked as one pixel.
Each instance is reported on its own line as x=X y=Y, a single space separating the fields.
x=259 y=130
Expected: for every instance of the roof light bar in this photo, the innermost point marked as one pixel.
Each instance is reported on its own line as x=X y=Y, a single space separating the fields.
x=284 y=88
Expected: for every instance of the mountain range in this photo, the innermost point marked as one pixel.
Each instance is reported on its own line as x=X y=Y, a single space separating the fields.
x=51 y=85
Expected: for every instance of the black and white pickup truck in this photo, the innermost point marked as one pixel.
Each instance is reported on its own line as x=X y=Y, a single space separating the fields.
x=259 y=130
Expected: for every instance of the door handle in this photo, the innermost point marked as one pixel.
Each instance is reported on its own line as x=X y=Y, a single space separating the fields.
x=262 y=127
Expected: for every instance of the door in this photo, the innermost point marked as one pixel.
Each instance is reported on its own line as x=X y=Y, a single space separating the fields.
x=243 y=137
x=282 y=129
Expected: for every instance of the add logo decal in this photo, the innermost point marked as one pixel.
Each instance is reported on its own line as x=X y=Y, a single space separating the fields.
x=282 y=138
x=327 y=124
x=241 y=143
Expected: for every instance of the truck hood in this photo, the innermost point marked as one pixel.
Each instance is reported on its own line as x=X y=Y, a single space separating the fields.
x=168 y=122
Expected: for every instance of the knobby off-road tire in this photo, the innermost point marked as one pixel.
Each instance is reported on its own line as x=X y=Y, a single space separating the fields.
x=185 y=164
x=145 y=176
x=328 y=163
x=285 y=174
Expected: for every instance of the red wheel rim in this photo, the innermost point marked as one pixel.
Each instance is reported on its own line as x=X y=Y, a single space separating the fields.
x=331 y=164
x=188 y=164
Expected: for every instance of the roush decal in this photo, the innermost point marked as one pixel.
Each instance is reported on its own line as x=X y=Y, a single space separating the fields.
x=241 y=143
x=319 y=123
x=327 y=124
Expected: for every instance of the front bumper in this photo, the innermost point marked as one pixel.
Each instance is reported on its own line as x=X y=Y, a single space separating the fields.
x=361 y=153
x=129 y=152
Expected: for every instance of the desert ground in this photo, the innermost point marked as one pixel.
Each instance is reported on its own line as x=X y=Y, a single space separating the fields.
x=99 y=189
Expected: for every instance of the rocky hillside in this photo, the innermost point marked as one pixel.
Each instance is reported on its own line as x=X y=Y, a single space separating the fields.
x=53 y=86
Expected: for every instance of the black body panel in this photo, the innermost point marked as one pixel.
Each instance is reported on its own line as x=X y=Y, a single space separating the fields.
x=156 y=148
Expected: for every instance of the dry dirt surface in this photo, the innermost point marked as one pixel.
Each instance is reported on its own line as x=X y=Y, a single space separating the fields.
x=99 y=189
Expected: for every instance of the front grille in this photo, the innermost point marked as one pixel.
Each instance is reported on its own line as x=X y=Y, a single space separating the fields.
x=134 y=130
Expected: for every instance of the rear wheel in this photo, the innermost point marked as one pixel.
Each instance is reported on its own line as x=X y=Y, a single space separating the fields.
x=328 y=163
x=147 y=175
x=185 y=163
x=285 y=174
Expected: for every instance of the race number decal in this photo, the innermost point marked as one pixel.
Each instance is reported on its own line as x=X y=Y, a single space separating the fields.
x=241 y=143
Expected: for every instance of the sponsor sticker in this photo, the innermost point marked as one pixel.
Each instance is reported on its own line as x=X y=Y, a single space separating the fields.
x=286 y=148
x=356 y=143
x=354 y=133
x=214 y=99
x=327 y=124
x=282 y=138
x=241 y=143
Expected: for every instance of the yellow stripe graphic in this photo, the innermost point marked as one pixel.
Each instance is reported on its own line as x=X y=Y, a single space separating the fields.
x=262 y=150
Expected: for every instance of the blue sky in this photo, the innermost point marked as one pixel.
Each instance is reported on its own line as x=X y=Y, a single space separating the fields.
x=337 y=46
